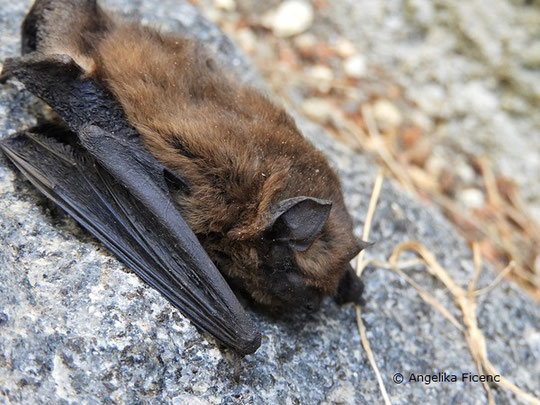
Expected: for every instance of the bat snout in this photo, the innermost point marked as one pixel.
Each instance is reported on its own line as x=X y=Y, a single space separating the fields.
x=312 y=305
x=350 y=288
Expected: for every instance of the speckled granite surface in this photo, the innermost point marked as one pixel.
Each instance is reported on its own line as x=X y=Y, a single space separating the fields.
x=76 y=326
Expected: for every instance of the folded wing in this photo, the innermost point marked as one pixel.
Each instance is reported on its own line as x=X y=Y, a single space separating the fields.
x=113 y=187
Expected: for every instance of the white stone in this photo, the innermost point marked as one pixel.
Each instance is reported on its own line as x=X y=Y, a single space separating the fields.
x=213 y=14
x=464 y=171
x=246 y=39
x=305 y=42
x=323 y=75
x=386 y=114
x=436 y=163
x=471 y=198
x=292 y=17
x=355 y=66
x=226 y=5
x=321 y=72
x=318 y=109
x=345 y=48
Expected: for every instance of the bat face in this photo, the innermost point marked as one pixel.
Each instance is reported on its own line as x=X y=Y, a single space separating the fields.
x=294 y=260
x=261 y=200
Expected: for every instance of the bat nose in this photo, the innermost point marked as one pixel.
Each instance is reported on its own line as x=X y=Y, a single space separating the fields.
x=312 y=305
x=350 y=288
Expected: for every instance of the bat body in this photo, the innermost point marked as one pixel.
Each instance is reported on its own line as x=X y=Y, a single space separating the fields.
x=159 y=133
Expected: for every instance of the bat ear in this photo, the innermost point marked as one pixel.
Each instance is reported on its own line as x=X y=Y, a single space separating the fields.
x=298 y=221
x=359 y=246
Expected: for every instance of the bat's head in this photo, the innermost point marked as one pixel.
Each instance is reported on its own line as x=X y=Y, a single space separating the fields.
x=300 y=253
x=272 y=216
x=305 y=252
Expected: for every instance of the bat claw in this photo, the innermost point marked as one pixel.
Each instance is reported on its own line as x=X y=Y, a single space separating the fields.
x=7 y=70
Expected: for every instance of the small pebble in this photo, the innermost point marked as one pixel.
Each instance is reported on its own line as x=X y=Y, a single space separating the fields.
x=471 y=198
x=436 y=163
x=355 y=67
x=318 y=109
x=464 y=171
x=386 y=114
x=213 y=14
x=323 y=75
x=305 y=42
x=246 y=39
x=225 y=5
x=292 y=17
x=345 y=48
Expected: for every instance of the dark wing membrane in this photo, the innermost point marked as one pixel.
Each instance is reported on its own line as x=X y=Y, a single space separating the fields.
x=77 y=98
x=125 y=200
x=162 y=251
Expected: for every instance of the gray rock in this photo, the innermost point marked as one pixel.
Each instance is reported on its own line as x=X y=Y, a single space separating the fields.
x=76 y=326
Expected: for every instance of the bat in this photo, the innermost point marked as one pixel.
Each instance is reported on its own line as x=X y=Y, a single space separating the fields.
x=195 y=181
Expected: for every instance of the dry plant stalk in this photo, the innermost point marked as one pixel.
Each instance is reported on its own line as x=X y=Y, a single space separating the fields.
x=465 y=299
x=394 y=167
x=478 y=265
x=359 y=268
x=502 y=235
x=467 y=305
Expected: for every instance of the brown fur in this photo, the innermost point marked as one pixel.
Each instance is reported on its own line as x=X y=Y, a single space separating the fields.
x=239 y=152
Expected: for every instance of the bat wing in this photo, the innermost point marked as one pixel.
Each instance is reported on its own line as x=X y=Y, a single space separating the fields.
x=111 y=185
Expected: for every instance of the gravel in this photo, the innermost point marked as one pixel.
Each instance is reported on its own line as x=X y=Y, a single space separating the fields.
x=473 y=66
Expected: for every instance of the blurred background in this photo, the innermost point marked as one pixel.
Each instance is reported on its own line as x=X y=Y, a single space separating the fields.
x=443 y=95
